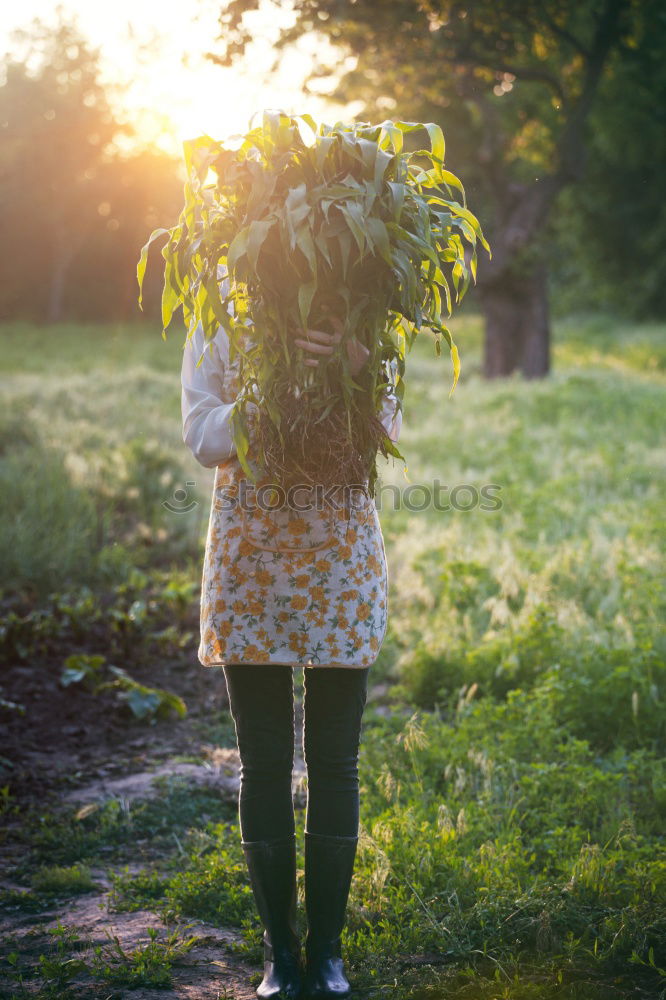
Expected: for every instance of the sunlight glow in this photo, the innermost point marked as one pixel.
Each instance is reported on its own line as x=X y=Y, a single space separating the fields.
x=153 y=62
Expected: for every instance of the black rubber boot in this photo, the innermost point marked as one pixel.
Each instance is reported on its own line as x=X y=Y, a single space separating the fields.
x=271 y=865
x=329 y=865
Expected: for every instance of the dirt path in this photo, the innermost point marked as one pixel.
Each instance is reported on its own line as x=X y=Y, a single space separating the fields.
x=207 y=972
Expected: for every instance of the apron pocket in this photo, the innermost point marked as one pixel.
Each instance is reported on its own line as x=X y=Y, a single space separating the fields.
x=286 y=528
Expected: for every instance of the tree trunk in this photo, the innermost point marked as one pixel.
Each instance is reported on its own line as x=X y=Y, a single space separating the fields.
x=517 y=326
x=65 y=247
x=57 y=287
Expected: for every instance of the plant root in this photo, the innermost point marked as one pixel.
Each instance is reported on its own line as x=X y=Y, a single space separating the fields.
x=319 y=452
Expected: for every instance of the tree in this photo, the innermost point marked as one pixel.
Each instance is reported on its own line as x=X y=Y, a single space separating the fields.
x=611 y=228
x=512 y=83
x=57 y=126
x=140 y=191
x=73 y=207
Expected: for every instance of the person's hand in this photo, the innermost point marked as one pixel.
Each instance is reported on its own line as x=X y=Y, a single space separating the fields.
x=319 y=342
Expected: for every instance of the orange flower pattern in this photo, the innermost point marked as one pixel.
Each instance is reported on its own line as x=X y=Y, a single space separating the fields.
x=306 y=587
x=286 y=586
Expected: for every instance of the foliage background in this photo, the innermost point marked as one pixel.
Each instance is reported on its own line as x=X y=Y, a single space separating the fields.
x=75 y=210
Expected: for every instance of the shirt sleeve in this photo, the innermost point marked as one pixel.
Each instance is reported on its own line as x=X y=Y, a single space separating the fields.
x=206 y=417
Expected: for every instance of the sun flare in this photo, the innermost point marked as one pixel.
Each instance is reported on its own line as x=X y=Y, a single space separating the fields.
x=153 y=59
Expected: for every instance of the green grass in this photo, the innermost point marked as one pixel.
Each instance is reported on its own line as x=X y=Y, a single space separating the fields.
x=114 y=828
x=64 y=349
x=90 y=448
x=72 y=965
x=60 y=880
x=580 y=530
x=513 y=803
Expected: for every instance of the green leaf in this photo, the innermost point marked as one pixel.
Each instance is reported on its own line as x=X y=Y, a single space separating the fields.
x=240 y=438
x=398 y=194
x=307 y=129
x=353 y=214
x=390 y=135
x=296 y=208
x=325 y=145
x=392 y=448
x=143 y=702
x=452 y=181
x=170 y=300
x=322 y=245
x=215 y=302
x=238 y=248
x=345 y=243
x=382 y=164
x=258 y=231
x=305 y=244
x=456 y=366
x=369 y=154
x=436 y=141
x=454 y=357
x=143 y=261
x=380 y=238
x=305 y=295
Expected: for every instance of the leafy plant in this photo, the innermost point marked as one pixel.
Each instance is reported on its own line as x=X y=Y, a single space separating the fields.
x=62 y=880
x=83 y=668
x=58 y=968
x=145 y=965
x=144 y=702
x=313 y=224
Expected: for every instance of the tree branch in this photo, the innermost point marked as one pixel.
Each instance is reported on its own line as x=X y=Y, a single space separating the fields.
x=571 y=144
x=528 y=205
x=566 y=36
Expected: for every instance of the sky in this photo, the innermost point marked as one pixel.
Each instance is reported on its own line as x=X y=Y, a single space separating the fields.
x=173 y=93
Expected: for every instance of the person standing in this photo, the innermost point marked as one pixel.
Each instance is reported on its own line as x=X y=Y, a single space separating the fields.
x=292 y=587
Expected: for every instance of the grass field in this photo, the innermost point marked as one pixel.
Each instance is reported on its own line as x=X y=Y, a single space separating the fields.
x=513 y=770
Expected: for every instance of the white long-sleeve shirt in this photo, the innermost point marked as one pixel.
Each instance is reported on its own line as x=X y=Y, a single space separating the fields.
x=206 y=417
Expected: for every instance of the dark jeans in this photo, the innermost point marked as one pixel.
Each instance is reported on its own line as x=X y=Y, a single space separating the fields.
x=261 y=700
